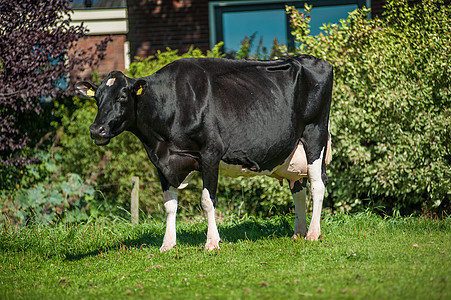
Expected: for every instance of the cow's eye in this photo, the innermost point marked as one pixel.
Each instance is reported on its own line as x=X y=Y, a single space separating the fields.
x=123 y=98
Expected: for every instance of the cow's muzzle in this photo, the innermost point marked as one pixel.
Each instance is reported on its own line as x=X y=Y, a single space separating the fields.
x=99 y=134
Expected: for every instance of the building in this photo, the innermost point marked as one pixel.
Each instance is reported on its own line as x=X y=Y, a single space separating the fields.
x=104 y=18
x=140 y=28
x=157 y=24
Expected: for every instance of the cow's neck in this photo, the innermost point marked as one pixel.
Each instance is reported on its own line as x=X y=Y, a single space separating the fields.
x=145 y=130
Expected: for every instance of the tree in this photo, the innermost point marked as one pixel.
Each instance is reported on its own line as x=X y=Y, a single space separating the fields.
x=35 y=39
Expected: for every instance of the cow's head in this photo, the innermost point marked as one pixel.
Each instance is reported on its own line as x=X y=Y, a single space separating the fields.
x=115 y=97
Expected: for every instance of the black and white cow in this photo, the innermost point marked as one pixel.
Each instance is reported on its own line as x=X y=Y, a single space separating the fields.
x=245 y=117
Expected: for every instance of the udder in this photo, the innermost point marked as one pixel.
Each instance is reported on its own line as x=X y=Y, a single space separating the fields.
x=295 y=166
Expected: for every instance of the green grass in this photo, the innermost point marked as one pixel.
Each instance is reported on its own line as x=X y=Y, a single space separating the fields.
x=361 y=256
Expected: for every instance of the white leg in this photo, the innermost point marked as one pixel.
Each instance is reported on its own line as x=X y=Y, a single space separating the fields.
x=170 y=205
x=212 y=233
x=300 y=223
x=317 y=189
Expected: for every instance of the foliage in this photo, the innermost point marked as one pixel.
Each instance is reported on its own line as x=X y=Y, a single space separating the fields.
x=37 y=51
x=50 y=196
x=390 y=117
x=361 y=256
x=261 y=52
x=259 y=195
x=34 y=40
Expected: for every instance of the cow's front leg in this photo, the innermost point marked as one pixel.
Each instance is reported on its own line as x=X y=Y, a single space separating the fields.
x=170 y=205
x=210 y=183
x=213 y=238
x=299 y=197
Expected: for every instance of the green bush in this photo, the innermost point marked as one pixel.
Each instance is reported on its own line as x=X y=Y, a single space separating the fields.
x=390 y=117
x=260 y=195
x=46 y=196
x=390 y=120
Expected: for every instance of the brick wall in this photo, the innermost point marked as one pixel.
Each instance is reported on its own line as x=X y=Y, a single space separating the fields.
x=114 y=59
x=157 y=24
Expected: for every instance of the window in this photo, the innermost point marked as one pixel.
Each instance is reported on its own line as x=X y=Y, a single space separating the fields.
x=231 y=21
x=265 y=24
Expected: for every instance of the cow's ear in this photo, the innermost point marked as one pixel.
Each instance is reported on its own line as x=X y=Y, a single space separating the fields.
x=85 y=88
x=139 y=87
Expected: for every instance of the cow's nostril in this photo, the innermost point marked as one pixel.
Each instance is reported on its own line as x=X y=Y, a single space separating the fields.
x=102 y=131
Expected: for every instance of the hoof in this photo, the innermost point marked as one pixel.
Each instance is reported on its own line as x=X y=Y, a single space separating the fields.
x=313 y=236
x=166 y=247
x=212 y=245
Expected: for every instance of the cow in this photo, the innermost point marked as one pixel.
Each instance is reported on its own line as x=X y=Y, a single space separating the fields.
x=245 y=117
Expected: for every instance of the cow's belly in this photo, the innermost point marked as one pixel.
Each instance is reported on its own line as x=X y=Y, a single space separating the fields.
x=293 y=169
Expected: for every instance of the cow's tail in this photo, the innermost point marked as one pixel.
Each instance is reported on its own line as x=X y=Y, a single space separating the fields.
x=329 y=149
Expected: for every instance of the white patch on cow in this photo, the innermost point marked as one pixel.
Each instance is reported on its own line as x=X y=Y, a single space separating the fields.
x=186 y=181
x=110 y=81
x=212 y=232
x=170 y=205
x=300 y=223
x=317 y=189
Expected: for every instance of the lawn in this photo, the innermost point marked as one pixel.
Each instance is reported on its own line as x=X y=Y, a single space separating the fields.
x=361 y=256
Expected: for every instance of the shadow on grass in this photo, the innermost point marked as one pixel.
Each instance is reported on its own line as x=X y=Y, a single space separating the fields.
x=251 y=230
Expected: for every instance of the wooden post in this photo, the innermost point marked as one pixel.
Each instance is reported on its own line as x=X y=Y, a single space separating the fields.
x=134 y=208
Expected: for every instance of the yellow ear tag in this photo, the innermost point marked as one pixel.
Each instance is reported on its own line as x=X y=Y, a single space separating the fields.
x=139 y=91
x=91 y=92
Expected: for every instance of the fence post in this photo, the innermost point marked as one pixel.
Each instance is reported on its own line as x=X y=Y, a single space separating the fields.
x=134 y=208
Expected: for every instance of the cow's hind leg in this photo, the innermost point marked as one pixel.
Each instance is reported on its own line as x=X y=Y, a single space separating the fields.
x=170 y=205
x=315 y=142
x=317 y=176
x=299 y=196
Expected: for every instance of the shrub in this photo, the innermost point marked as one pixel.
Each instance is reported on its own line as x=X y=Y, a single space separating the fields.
x=48 y=196
x=35 y=38
x=260 y=195
x=390 y=117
